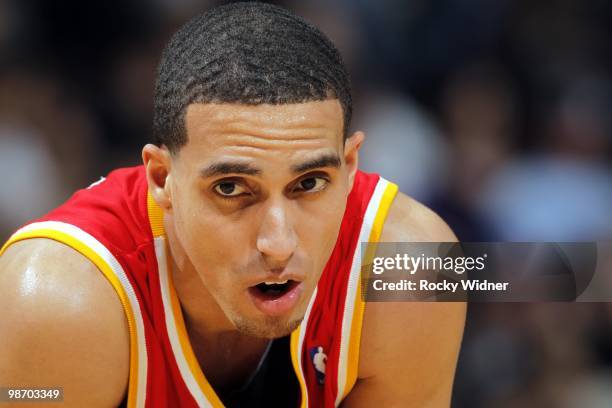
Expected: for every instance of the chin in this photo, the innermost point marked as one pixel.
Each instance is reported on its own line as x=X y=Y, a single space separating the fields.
x=269 y=328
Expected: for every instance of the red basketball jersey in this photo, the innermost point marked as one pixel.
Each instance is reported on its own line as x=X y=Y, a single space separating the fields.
x=116 y=224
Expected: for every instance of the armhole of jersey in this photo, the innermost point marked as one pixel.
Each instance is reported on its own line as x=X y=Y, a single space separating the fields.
x=106 y=262
x=374 y=220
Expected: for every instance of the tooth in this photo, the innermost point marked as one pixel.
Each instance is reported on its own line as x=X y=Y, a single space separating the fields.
x=277 y=283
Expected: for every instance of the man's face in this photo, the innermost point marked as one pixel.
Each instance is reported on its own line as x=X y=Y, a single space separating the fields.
x=258 y=194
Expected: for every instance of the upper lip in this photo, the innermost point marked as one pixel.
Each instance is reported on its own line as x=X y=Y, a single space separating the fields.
x=276 y=278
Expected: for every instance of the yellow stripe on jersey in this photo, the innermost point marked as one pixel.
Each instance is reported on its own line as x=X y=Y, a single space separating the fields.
x=295 y=348
x=297 y=365
x=192 y=362
x=111 y=276
x=156 y=217
x=359 y=305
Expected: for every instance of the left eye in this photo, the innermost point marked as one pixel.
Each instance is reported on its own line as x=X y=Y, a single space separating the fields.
x=312 y=184
x=229 y=189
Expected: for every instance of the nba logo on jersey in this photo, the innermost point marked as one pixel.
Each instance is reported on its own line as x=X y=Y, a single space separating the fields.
x=318 y=358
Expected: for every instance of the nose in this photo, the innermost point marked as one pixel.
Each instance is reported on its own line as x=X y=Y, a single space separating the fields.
x=276 y=240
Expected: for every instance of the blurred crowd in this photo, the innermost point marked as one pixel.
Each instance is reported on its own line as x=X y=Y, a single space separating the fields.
x=496 y=113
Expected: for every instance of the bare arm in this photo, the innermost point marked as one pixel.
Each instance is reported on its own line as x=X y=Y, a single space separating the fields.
x=61 y=325
x=409 y=350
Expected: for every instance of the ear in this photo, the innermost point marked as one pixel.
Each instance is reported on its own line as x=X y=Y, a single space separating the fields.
x=351 y=154
x=157 y=162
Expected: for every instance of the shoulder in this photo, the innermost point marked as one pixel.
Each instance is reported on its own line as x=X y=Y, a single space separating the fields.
x=409 y=350
x=411 y=221
x=62 y=324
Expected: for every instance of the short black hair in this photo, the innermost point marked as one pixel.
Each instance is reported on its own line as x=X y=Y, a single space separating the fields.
x=249 y=53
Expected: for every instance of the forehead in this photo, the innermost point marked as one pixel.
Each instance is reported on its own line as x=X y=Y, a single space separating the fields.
x=226 y=128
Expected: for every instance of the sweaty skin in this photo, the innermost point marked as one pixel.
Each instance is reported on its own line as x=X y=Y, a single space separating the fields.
x=256 y=194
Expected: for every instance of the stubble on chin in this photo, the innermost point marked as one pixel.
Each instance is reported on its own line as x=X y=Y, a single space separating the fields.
x=270 y=328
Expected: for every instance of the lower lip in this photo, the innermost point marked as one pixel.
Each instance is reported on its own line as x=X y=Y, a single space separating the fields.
x=276 y=306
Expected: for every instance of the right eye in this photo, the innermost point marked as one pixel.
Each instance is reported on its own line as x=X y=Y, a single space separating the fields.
x=229 y=189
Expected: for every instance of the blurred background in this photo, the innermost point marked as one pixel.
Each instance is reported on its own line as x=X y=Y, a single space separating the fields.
x=496 y=113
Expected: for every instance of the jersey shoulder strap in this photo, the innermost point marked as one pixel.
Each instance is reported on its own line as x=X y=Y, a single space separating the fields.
x=325 y=348
x=107 y=223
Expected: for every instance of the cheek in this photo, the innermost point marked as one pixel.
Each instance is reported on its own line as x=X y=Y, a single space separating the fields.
x=334 y=208
x=213 y=243
x=321 y=227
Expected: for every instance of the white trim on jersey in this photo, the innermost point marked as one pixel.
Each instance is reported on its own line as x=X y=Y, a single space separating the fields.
x=47 y=228
x=302 y=333
x=353 y=284
x=171 y=326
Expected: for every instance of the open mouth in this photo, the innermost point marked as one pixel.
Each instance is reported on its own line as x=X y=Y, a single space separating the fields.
x=276 y=298
x=275 y=289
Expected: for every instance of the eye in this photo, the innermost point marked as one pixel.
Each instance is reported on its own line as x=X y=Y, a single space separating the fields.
x=229 y=189
x=312 y=184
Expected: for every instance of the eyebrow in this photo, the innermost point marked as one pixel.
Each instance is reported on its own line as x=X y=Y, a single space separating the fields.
x=327 y=160
x=220 y=168
x=229 y=167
